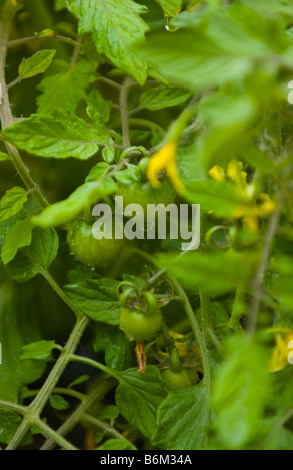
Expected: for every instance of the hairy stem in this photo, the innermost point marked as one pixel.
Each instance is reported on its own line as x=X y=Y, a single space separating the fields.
x=36 y=407
x=257 y=282
x=102 y=425
x=5 y=110
x=196 y=330
x=124 y=112
x=98 y=394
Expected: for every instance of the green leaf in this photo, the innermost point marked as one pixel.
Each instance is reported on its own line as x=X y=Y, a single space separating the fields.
x=40 y=350
x=108 y=154
x=42 y=252
x=170 y=7
x=98 y=107
x=61 y=135
x=229 y=122
x=4 y=157
x=18 y=326
x=270 y=7
x=183 y=419
x=223 y=198
x=224 y=45
x=240 y=392
x=138 y=398
x=19 y=236
x=118 y=351
x=64 y=86
x=281 y=438
x=58 y=403
x=9 y=423
x=115 y=27
x=215 y=272
x=281 y=282
x=83 y=197
x=60 y=5
x=163 y=97
x=79 y=380
x=128 y=176
x=97 y=172
x=117 y=444
x=111 y=412
x=12 y=202
x=38 y=63
x=97 y=298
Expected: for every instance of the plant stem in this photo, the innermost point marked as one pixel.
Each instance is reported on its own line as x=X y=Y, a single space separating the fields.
x=124 y=111
x=58 y=391
x=5 y=110
x=196 y=330
x=51 y=281
x=102 y=425
x=36 y=407
x=110 y=82
x=280 y=424
x=207 y=323
x=257 y=282
x=238 y=309
x=19 y=42
x=75 y=417
x=145 y=123
x=50 y=433
x=95 y=364
x=7 y=405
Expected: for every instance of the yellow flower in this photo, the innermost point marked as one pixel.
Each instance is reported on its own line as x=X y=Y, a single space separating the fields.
x=217 y=173
x=165 y=159
x=252 y=210
x=14 y=2
x=282 y=353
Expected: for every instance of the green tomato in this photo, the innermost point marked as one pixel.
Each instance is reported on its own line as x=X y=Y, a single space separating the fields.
x=139 y=326
x=88 y=250
x=143 y=193
x=186 y=378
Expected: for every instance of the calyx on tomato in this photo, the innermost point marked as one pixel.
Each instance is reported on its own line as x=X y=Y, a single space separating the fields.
x=140 y=316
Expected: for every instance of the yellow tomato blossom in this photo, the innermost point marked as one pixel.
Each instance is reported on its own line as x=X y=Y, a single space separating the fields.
x=165 y=159
x=217 y=173
x=249 y=212
x=282 y=353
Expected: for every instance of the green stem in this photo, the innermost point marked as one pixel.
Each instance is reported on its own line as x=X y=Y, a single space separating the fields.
x=7 y=405
x=98 y=394
x=56 y=391
x=196 y=330
x=90 y=362
x=238 y=309
x=102 y=425
x=36 y=407
x=124 y=90
x=50 y=433
x=5 y=110
x=257 y=282
x=279 y=425
x=19 y=42
x=207 y=321
x=145 y=123
x=51 y=281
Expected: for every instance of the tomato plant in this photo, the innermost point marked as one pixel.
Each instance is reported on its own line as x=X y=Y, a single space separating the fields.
x=141 y=341
x=90 y=251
